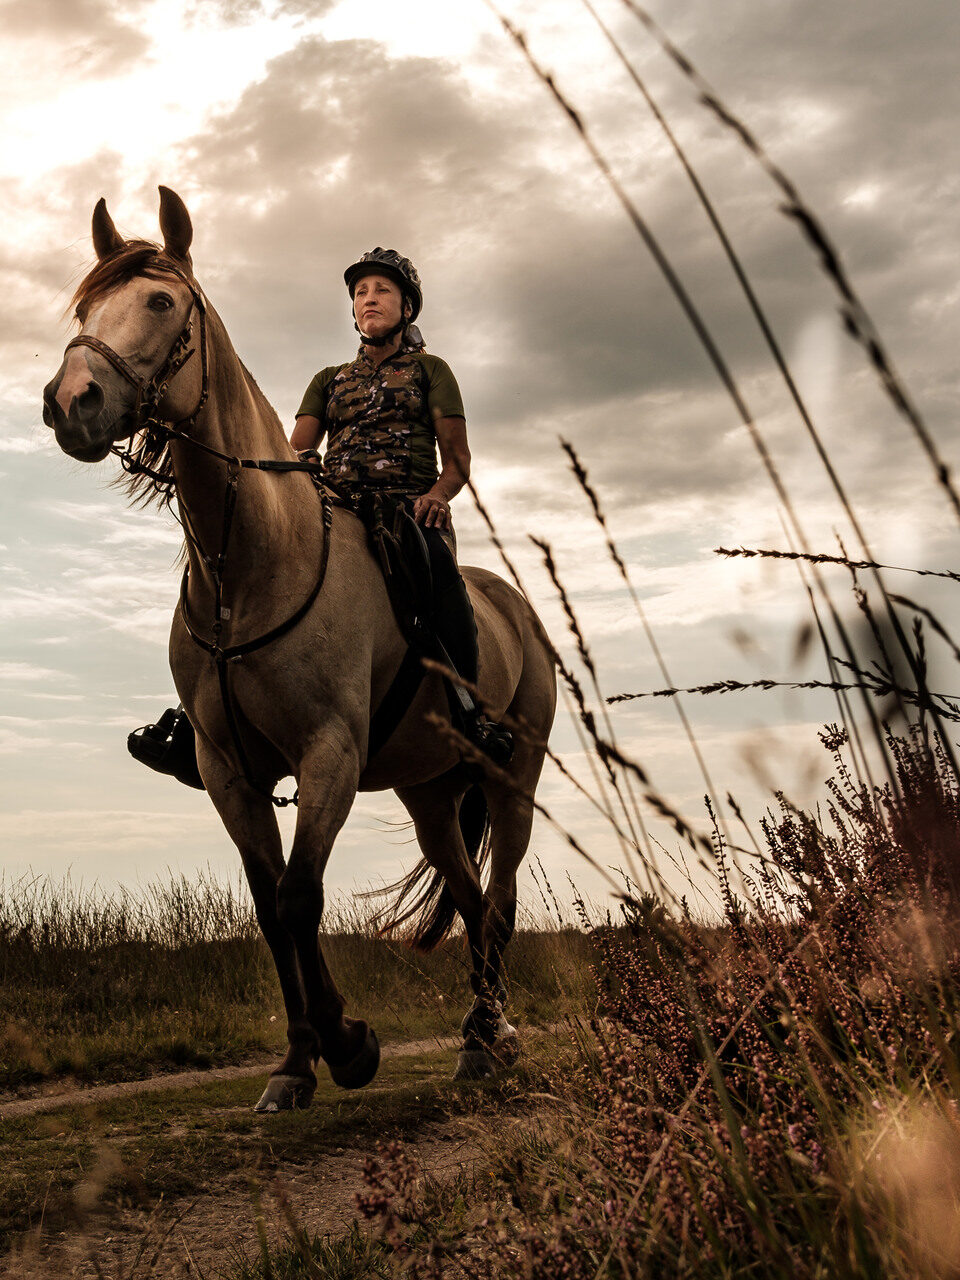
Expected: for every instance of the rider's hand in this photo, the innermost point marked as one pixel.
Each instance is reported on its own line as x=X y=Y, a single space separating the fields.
x=432 y=510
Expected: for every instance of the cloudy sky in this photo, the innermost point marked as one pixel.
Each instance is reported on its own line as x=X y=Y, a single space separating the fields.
x=302 y=132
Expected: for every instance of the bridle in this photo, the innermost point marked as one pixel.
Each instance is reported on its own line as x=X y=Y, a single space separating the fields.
x=150 y=391
x=146 y=417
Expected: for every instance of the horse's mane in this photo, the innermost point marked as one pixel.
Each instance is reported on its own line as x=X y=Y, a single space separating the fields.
x=136 y=258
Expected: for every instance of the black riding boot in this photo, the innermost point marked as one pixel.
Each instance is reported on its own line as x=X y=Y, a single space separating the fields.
x=456 y=630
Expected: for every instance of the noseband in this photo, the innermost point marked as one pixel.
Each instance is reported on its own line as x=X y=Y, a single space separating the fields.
x=150 y=391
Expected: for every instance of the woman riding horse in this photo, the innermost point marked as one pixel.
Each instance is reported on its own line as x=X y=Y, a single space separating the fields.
x=384 y=415
x=284 y=646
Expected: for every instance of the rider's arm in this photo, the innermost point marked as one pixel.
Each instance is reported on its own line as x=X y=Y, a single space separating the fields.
x=309 y=429
x=454 y=473
x=308 y=432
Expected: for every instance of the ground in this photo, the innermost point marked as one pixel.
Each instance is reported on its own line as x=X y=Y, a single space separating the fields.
x=169 y=1176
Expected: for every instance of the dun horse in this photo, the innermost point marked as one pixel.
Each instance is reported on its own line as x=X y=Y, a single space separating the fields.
x=284 y=644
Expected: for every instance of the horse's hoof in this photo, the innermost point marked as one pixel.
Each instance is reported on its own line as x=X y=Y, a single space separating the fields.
x=506 y=1048
x=361 y=1069
x=475 y=1064
x=487 y=1024
x=286 y=1093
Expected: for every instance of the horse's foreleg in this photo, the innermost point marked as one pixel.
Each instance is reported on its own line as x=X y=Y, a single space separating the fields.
x=328 y=786
x=251 y=822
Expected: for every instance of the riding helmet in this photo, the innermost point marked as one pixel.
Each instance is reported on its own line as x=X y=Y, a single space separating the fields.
x=388 y=262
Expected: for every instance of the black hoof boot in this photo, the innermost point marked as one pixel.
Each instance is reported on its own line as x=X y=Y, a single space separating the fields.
x=362 y=1067
x=490 y=1043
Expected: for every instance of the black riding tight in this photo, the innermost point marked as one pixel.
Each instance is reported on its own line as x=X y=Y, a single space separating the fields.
x=453 y=614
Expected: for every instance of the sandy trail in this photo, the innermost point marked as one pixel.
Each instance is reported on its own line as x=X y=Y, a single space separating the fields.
x=205 y=1235
x=10 y=1108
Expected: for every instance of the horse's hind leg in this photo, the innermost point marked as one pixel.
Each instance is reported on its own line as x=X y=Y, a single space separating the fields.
x=435 y=807
x=490 y=1042
x=511 y=820
x=511 y=817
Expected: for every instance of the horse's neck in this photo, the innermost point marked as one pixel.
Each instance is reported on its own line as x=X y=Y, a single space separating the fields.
x=274 y=522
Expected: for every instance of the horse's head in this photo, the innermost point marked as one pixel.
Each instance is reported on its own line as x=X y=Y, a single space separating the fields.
x=134 y=310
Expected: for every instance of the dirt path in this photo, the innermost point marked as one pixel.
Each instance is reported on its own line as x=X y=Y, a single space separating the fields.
x=10 y=1108
x=250 y=1174
x=206 y=1236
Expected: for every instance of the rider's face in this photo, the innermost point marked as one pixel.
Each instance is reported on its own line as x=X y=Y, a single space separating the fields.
x=377 y=305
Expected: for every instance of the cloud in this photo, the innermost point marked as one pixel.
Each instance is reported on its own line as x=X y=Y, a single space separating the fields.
x=23 y=444
x=87 y=37
x=18 y=672
x=540 y=295
x=248 y=11
x=77 y=832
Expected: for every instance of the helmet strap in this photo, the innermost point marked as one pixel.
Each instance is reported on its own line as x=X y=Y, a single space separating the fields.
x=385 y=339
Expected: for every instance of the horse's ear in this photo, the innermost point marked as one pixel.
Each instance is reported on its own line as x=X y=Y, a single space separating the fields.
x=176 y=225
x=106 y=237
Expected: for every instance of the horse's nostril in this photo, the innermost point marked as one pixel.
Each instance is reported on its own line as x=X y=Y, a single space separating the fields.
x=89 y=402
x=50 y=405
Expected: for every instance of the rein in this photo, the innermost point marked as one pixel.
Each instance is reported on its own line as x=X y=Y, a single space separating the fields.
x=146 y=412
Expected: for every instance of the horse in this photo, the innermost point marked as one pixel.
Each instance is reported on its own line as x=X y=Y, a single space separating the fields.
x=283 y=645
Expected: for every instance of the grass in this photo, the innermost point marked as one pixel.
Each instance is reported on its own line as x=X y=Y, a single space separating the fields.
x=99 y=988
x=772 y=1095
x=350 y=1256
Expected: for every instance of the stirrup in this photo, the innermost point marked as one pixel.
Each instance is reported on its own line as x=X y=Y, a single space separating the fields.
x=169 y=747
x=493 y=739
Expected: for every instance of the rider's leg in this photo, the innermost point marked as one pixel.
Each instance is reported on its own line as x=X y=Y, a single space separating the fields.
x=452 y=611
x=456 y=629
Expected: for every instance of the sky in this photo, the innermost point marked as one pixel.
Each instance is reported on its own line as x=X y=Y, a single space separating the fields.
x=301 y=134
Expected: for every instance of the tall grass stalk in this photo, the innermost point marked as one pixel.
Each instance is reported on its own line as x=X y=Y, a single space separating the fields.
x=766 y=330
x=708 y=342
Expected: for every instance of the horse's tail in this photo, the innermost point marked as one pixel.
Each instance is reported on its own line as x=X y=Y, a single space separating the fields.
x=422 y=897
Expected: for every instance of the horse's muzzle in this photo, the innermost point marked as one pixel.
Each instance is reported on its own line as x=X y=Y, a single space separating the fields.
x=79 y=430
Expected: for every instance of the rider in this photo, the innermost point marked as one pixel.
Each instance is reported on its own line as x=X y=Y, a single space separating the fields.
x=385 y=415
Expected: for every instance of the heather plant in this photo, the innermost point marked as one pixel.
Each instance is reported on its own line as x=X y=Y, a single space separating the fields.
x=743 y=1104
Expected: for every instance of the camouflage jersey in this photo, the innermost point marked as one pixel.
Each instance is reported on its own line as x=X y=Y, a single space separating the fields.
x=379 y=421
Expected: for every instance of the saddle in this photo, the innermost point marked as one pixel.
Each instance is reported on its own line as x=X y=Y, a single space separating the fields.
x=401 y=550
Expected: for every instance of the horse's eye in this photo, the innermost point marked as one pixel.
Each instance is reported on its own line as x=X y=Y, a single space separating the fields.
x=160 y=302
